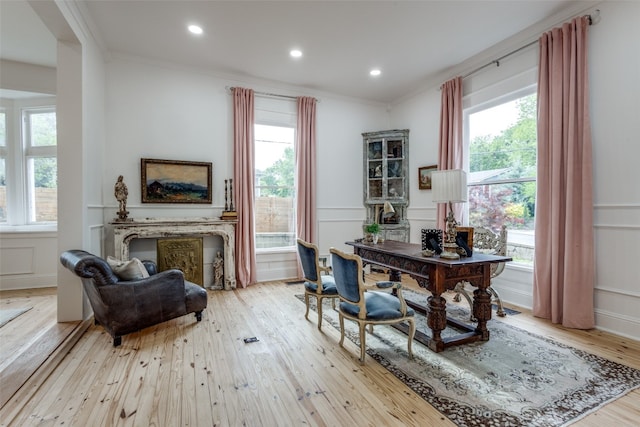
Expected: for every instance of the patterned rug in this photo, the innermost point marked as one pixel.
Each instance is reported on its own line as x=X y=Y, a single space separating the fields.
x=8 y=314
x=515 y=379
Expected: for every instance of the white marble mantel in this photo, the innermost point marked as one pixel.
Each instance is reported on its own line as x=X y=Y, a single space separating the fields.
x=149 y=228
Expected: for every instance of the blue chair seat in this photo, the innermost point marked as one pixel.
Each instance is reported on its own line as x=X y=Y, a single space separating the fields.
x=328 y=286
x=380 y=306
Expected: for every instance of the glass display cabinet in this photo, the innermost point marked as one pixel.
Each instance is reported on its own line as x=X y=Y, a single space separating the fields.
x=386 y=182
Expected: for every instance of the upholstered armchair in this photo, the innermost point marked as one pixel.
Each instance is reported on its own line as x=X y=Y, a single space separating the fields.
x=139 y=298
x=365 y=305
x=486 y=241
x=316 y=284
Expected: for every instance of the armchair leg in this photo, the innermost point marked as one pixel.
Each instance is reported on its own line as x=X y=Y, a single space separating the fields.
x=306 y=302
x=319 y=301
x=199 y=315
x=341 y=329
x=412 y=333
x=463 y=292
x=363 y=342
x=500 y=311
x=117 y=340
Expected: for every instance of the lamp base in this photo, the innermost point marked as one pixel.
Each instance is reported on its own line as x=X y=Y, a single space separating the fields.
x=449 y=251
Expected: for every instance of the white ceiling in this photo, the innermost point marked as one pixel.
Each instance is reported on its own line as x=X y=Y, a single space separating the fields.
x=341 y=40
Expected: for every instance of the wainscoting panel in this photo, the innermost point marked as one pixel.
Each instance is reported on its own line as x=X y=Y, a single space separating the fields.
x=617 y=291
x=277 y=265
x=28 y=260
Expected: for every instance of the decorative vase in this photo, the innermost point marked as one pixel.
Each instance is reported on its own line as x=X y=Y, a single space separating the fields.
x=375 y=238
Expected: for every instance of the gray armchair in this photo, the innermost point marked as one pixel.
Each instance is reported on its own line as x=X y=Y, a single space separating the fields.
x=123 y=307
x=316 y=284
x=363 y=304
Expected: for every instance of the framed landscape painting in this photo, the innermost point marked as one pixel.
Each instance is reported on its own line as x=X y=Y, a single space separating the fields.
x=175 y=181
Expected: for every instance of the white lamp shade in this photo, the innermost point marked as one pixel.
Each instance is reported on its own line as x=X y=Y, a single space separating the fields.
x=449 y=186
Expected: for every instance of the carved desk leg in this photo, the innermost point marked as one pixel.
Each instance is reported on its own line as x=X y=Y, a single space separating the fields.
x=437 y=320
x=482 y=304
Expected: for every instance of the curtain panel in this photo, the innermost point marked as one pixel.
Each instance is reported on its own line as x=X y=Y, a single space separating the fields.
x=243 y=188
x=564 y=272
x=450 y=152
x=306 y=175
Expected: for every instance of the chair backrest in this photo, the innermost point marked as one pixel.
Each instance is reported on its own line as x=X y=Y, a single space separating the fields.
x=308 y=253
x=347 y=272
x=487 y=241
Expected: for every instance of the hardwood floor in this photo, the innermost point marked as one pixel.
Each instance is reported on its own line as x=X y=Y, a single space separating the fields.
x=31 y=340
x=202 y=374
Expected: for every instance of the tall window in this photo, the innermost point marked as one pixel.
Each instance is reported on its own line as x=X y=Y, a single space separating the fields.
x=28 y=163
x=275 y=186
x=502 y=170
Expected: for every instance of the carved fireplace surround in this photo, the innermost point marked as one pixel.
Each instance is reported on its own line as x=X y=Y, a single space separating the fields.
x=149 y=228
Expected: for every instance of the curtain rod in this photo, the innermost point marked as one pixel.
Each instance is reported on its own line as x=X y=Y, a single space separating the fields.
x=276 y=95
x=593 y=19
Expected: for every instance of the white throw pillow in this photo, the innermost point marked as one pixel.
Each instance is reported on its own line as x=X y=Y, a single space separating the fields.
x=128 y=270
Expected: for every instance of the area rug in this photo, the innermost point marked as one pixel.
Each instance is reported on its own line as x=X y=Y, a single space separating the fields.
x=515 y=379
x=8 y=314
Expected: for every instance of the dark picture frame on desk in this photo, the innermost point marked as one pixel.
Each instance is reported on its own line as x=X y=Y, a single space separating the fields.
x=175 y=181
x=464 y=237
x=432 y=239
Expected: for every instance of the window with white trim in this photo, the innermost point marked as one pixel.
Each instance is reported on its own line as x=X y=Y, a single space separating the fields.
x=28 y=162
x=502 y=141
x=275 y=199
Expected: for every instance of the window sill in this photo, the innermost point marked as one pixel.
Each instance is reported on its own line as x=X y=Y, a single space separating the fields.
x=282 y=250
x=26 y=229
x=519 y=266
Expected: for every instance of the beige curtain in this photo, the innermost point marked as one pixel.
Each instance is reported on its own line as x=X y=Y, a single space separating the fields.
x=564 y=272
x=306 y=169
x=243 y=185
x=450 y=154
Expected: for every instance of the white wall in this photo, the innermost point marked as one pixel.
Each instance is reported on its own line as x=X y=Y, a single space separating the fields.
x=614 y=66
x=164 y=111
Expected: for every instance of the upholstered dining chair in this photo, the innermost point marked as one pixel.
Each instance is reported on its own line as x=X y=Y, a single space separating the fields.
x=316 y=284
x=365 y=305
x=488 y=242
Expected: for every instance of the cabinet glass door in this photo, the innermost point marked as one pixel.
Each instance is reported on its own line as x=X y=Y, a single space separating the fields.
x=395 y=169
x=375 y=168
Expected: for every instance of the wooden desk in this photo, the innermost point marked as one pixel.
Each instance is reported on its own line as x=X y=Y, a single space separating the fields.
x=437 y=275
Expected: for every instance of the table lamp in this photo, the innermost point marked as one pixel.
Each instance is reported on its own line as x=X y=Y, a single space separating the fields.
x=449 y=186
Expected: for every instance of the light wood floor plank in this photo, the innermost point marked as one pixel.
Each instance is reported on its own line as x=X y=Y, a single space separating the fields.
x=184 y=372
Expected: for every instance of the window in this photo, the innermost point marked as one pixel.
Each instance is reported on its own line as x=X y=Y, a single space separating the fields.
x=275 y=199
x=502 y=170
x=28 y=162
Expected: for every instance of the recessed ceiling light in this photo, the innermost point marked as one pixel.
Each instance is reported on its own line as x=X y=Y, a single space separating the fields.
x=295 y=53
x=375 y=72
x=195 y=29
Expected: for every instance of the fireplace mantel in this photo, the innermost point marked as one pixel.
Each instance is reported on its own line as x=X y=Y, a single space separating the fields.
x=149 y=228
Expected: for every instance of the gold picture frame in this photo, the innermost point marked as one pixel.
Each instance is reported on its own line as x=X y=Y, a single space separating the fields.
x=424 y=176
x=184 y=254
x=175 y=181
